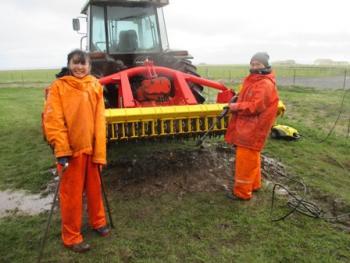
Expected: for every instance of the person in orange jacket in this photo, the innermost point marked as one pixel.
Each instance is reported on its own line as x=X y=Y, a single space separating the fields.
x=252 y=118
x=74 y=125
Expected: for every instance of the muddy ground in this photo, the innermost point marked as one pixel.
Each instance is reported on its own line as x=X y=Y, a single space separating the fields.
x=175 y=171
x=209 y=169
x=206 y=169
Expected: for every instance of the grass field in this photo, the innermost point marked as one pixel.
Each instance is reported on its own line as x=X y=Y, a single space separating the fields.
x=197 y=227
x=24 y=76
x=228 y=72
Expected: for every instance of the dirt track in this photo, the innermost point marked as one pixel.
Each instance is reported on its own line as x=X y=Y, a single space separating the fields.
x=336 y=82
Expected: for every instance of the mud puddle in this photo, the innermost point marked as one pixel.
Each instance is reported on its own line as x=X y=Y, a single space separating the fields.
x=23 y=203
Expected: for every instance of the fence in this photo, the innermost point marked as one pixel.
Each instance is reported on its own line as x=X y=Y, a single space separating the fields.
x=25 y=78
x=315 y=77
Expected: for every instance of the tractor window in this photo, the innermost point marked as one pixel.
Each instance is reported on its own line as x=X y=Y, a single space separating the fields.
x=132 y=30
x=98 y=33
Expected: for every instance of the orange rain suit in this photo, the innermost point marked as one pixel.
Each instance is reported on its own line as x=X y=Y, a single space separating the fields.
x=252 y=118
x=74 y=126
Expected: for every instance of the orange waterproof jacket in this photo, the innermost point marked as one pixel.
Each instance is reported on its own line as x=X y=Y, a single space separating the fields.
x=73 y=118
x=255 y=112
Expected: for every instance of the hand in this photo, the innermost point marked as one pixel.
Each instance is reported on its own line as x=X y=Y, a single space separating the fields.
x=99 y=167
x=233 y=107
x=63 y=161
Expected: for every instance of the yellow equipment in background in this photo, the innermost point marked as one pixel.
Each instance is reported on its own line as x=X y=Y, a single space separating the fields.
x=283 y=131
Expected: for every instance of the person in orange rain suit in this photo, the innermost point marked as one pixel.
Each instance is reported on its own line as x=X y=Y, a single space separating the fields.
x=74 y=125
x=252 y=118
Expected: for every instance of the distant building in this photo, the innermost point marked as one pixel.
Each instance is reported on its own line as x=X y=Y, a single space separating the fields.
x=288 y=62
x=341 y=63
x=323 y=61
x=330 y=62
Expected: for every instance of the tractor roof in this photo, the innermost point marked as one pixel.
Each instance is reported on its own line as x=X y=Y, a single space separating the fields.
x=157 y=3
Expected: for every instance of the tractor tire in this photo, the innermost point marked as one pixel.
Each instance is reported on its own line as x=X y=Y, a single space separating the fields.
x=186 y=66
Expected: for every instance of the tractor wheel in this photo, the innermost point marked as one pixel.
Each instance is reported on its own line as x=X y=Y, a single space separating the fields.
x=184 y=65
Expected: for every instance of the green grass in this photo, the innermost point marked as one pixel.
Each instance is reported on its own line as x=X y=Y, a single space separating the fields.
x=33 y=76
x=324 y=165
x=318 y=109
x=200 y=227
x=25 y=158
x=197 y=227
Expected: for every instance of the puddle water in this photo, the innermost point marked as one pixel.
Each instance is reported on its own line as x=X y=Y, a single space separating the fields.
x=21 y=202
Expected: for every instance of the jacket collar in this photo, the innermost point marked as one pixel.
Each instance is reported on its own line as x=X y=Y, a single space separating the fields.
x=78 y=83
x=257 y=77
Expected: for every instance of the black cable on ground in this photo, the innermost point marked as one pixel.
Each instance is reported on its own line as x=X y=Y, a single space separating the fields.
x=299 y=204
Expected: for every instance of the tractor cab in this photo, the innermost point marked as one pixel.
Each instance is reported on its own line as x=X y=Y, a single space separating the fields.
x=121 y=27
x=126 y=32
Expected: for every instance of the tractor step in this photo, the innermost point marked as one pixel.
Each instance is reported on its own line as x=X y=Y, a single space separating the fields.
x=188 y=121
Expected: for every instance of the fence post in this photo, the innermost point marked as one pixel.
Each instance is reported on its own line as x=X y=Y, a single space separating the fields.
x=294 y=76
x=345 y=73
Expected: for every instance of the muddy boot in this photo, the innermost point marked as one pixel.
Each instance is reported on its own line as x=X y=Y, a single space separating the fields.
x=233 y=197
x=81 y=247
x=103 y=231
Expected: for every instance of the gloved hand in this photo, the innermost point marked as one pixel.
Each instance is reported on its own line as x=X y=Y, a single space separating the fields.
x=63 y=161
x=100 y=167
x=233 y=107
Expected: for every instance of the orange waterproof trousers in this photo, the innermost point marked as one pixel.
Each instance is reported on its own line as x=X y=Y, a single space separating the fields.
x=247 y=172
x=80 y=175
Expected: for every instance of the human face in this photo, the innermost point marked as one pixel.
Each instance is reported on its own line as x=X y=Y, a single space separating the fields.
x=256 y=65
x=78 y=68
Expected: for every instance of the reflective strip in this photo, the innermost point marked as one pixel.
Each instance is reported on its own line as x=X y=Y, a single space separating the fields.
x=243 y=181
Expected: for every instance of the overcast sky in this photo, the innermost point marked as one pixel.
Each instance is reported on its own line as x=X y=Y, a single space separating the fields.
x=39 y=34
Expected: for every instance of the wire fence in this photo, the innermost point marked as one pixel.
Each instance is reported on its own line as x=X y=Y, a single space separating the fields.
x=26 y=78
x=313 y=77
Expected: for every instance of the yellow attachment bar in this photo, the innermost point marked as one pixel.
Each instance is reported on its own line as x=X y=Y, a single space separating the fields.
x=166 y=121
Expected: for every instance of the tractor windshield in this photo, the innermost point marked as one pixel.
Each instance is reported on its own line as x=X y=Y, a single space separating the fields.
x=129 y=29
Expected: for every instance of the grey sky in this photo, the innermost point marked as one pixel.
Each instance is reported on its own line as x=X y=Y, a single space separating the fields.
x=38 y=34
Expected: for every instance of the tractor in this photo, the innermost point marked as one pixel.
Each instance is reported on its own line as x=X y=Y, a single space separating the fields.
x=150 y=91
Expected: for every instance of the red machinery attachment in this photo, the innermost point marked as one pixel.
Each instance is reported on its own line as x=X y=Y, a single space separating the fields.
x=159 y=86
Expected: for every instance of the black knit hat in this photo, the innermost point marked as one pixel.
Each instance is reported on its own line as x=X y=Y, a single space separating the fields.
x=262 y=57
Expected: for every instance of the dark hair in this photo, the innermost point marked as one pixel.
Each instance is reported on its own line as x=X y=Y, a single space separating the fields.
x=82 y=57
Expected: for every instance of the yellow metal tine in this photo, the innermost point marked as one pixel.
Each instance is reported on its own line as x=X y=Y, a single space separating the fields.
x=153 y=128
x=198 y=127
